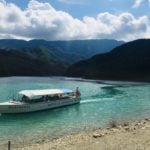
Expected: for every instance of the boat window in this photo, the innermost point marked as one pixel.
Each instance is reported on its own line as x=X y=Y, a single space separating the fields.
x=24 y=97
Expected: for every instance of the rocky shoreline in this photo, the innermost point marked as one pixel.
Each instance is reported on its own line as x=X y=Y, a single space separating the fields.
x=125 y=136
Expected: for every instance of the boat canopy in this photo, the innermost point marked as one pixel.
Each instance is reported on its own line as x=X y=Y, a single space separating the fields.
x=44 y=92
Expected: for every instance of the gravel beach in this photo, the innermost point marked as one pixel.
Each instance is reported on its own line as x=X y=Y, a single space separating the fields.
x=126 y=136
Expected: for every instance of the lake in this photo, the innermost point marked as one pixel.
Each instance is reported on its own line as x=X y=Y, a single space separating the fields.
x=102 y=101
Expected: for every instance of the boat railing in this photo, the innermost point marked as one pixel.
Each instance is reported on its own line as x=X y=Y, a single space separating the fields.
x=46 y=98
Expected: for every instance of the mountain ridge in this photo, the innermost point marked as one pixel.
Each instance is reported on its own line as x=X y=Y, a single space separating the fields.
x=73 y=51
x=130 y=61
x=42 y=58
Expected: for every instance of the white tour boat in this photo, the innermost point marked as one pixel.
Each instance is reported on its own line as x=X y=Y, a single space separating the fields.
x=36 y=100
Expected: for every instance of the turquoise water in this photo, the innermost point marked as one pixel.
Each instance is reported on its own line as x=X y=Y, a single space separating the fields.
x=101 y=102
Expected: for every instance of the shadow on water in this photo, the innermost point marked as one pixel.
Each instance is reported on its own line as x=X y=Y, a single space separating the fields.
x=112 y=90
x=106 y=93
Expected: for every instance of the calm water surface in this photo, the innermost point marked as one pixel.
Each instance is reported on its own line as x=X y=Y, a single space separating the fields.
x=101 y=102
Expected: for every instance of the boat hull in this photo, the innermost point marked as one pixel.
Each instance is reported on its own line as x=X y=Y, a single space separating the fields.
x=12 y=108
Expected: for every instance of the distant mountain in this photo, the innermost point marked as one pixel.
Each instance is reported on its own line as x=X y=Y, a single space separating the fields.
x=130 y=61
x=40 y=57
x=69 y=51
x=19 y=63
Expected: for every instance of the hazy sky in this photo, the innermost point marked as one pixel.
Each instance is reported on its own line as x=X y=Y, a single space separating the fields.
x=75 y=19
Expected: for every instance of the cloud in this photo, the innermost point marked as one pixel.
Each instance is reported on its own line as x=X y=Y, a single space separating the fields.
x=73 y=1
x=138 y=3
x=42 y=21
x=3 y=1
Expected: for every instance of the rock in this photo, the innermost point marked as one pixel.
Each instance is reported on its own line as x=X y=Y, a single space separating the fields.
x=143 y=121
x=147 y=119
x=127 y=128
x=148 y=126
x=114 y=130
x=125 y=124
x=139 y=124
x=119 y=127
x=133 y=128
x=97 y=135
x=134 y=133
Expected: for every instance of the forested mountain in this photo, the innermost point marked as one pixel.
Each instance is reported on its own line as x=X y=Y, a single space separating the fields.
x=130 y=61
x=70 y=51
x=19 y=63
x=40 y=57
